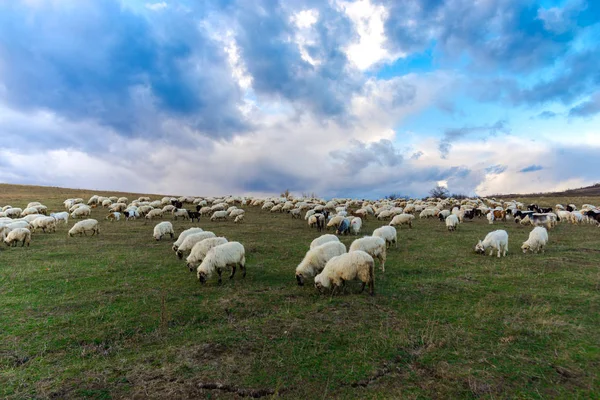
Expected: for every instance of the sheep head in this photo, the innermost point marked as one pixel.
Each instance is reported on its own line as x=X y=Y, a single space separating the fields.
x=300 y=279
x=480 y=248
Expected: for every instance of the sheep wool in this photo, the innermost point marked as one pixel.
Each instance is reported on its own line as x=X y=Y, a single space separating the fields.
x=402 y=219
x=189 y=242
x=315 y=259
x=163 y=228
x=451 y=222
x=346 y=267
x=374 y=246
x=17 y=235
x=231 y=254
x=323 y=239
x=200 y=249
x=185 y=234
x=82 y=227
x=388 y=233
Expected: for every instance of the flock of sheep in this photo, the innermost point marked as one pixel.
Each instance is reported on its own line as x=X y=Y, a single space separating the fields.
x=327 y=260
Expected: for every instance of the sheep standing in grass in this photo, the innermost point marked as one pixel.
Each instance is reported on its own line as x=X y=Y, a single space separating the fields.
x=219 y=216
x=538 y=238
x=61 y=216
x=44 y=223
x=80 y=212
x=346 y=267
x=323 y=239
x=17 y=235
x=388 y=233
x=496 y=240
x=228 y=255
x=372 y=245
x=180 y=212
x=239 y=219
x=190 y=240
x=185 y=234
x=355 y=225
x=402 y=219
x=200 y=249
x=452 y=222
x=163 y=228
x=315 y=259
x=82 y=227
x=113 y=216
x=155 y=213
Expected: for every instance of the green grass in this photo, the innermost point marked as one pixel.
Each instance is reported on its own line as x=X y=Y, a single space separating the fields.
x=119 y=315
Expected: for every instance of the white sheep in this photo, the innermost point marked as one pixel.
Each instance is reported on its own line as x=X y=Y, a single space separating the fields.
x=355 y=225
x=180 y=212
x=236 y=212
x=538 y=238
x=354 y=265
x=114 y=216
x=185 y=234
x=163 y=228
x=490 y=217
x=44 y=223
x=29 y=211
x=154 y=213
x=315 y=259
x=16 y=235
x=451 y=222
x=388 y=233
x=374 y=246
x=239 y=219
x=31 y=217
x=497 y=240
x=13 y=212
x=219 y=215
x=323 y=239
x=80 y=212
x=402 y=219
x=227 y=255
x=190 y=240
x=200 y=249
x=82 y=227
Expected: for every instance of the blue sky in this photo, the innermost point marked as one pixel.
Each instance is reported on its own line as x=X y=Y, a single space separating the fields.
x=339 y=98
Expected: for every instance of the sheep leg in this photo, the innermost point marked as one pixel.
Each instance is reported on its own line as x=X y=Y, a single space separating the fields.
x=362 y=289
x=233 y=268
x=219 y=272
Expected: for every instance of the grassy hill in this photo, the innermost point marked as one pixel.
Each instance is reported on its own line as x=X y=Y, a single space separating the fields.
x=119 y=316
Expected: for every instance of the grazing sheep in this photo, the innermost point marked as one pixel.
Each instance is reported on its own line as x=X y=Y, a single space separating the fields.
x=44 y=223
x=220 y=257
x=114 y=216
x=154 y=213
x=30 y=218
x=309 y=213
x=323 y=239
x=180 y=212
x=355 y=265
x=239 y=219
x=16 y=235
x=200 y=249
x=13 y=212
x=374 y=246
x=315 y=259
x=402 y=219
x=388 y=233
x=190 y=240
x=452 y=222
x=295 y=213
x=355 y=225
x=185 y=234
x=163 y=228
x=334 y=222
x=80 y=212
x=538 y=238
x=313 y=220
x=236 y=212
x=494 y=240
x=219 y=216
x=82 y=227
x=29 y=211
x=490 y=217
x=344 y=227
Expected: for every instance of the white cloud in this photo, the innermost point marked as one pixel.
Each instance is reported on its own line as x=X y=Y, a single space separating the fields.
x=156 y=6
x=368 y=20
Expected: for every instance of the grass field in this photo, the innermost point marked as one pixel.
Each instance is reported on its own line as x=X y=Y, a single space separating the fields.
x=119 y=315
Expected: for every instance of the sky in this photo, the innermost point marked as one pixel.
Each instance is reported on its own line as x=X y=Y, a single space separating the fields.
x=335 y=98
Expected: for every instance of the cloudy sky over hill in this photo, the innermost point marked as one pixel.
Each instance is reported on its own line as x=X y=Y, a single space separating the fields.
x=352 y=98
